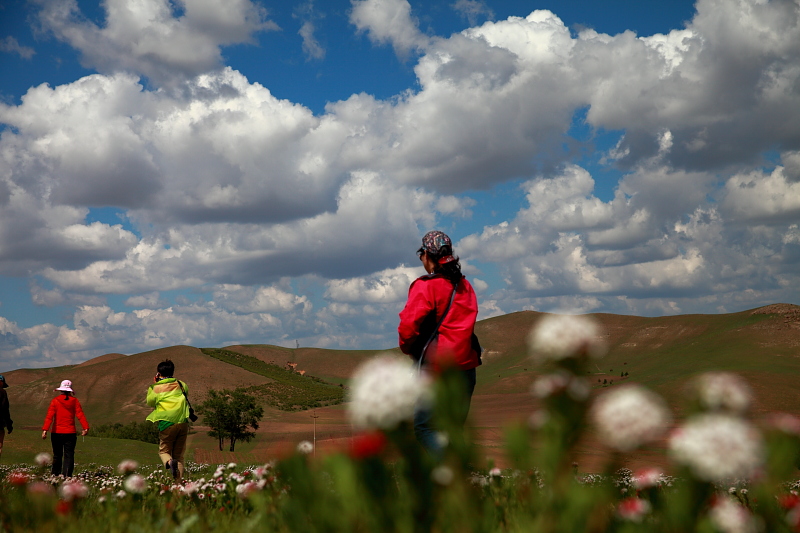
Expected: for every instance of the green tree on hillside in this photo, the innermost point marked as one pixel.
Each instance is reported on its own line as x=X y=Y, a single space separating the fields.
x=230 y=415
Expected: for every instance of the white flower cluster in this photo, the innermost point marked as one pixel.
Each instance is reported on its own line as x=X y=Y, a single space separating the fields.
x=723 y=391
x=630 y=416
x=718 y=447
x=385 y=391
x=729 y=516
x=557 y=337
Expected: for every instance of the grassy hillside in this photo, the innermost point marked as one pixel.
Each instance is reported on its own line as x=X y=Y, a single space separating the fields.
x=289 y=390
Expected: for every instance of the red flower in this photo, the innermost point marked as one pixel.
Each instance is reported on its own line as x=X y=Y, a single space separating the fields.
x=368 y=444
x=789 y=501
x=63 y=507
x=18 y=479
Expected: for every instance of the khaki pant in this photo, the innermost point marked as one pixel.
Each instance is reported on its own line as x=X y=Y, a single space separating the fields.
x=172 y=445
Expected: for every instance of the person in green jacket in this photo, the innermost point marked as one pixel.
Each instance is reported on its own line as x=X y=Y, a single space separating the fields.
x=169 y=397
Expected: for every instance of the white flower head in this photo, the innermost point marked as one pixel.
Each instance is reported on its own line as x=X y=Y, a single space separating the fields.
x=73 y=490
x=127 y=466
x=718 y=447
x=557 y=337
x=723 y=391
x=135 y=484
x=231 y=466
x=305 y=447
x=121 y=494
x=442 y=475
x=729 y=516
x=630 y=416
x=43 y=459
x=386 y=391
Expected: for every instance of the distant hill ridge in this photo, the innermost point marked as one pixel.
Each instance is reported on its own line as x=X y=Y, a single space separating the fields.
x=762 y=345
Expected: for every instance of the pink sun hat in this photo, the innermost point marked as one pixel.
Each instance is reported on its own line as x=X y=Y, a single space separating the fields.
x=66 y=386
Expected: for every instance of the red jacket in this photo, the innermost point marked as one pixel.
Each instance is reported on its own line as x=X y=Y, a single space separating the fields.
x=61 y=415
x=428 y=297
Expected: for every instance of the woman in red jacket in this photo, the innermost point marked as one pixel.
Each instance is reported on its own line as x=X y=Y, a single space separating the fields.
x=443 y=298
x=60 y=420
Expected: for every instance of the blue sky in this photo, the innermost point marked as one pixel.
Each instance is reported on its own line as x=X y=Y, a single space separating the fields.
x=212 y=172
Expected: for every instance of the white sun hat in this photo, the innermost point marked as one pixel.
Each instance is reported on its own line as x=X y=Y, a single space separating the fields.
x=66 y=385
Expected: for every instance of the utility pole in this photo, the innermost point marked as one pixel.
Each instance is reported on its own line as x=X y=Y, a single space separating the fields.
x=314 y=416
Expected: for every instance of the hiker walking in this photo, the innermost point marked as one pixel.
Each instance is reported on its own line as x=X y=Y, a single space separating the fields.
x=60 y=421
x=169 y=397
x=437 y=326
x=5 y=415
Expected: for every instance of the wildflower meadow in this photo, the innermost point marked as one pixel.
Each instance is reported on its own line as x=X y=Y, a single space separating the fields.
x=728 y=473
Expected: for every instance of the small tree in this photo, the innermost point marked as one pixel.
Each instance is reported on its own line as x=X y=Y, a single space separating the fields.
x=231 y=414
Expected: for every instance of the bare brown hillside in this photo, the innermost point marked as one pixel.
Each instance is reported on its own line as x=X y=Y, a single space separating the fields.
x=114 y=390
x=761 y=345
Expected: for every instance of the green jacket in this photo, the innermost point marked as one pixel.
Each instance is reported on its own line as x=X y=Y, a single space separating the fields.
x=168 y=400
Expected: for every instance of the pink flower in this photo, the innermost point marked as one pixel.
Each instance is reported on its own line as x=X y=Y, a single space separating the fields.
x=40 y=488
x=246 y=489
x=127 y=466
x=633 y=509
x=646 y=478
x=73 y=490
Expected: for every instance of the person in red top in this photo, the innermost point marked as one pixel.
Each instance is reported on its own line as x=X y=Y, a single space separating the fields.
x=442 y=298
x=60 y=421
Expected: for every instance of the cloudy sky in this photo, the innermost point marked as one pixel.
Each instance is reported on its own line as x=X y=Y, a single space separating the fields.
x=210 y=172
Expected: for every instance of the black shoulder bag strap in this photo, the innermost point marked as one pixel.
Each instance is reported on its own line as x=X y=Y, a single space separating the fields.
x=192 y=416
x=436 y=329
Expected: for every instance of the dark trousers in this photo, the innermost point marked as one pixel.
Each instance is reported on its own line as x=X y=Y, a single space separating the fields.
x=63 y=445
x=423 y=426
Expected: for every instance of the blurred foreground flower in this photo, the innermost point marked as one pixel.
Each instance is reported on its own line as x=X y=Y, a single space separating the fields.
x=368 y=444
x=73 y=490
x=43 y=459
x=722 y=391
x=18 y=479
x=630 y=416
x=40 y=488
x=558 y=337
x=633 y=509
x=127 y=466
x=560 y=382
x=386 y=391
x=647 y=478
x=718 y=447
x=135 y=484
x=728 y=516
